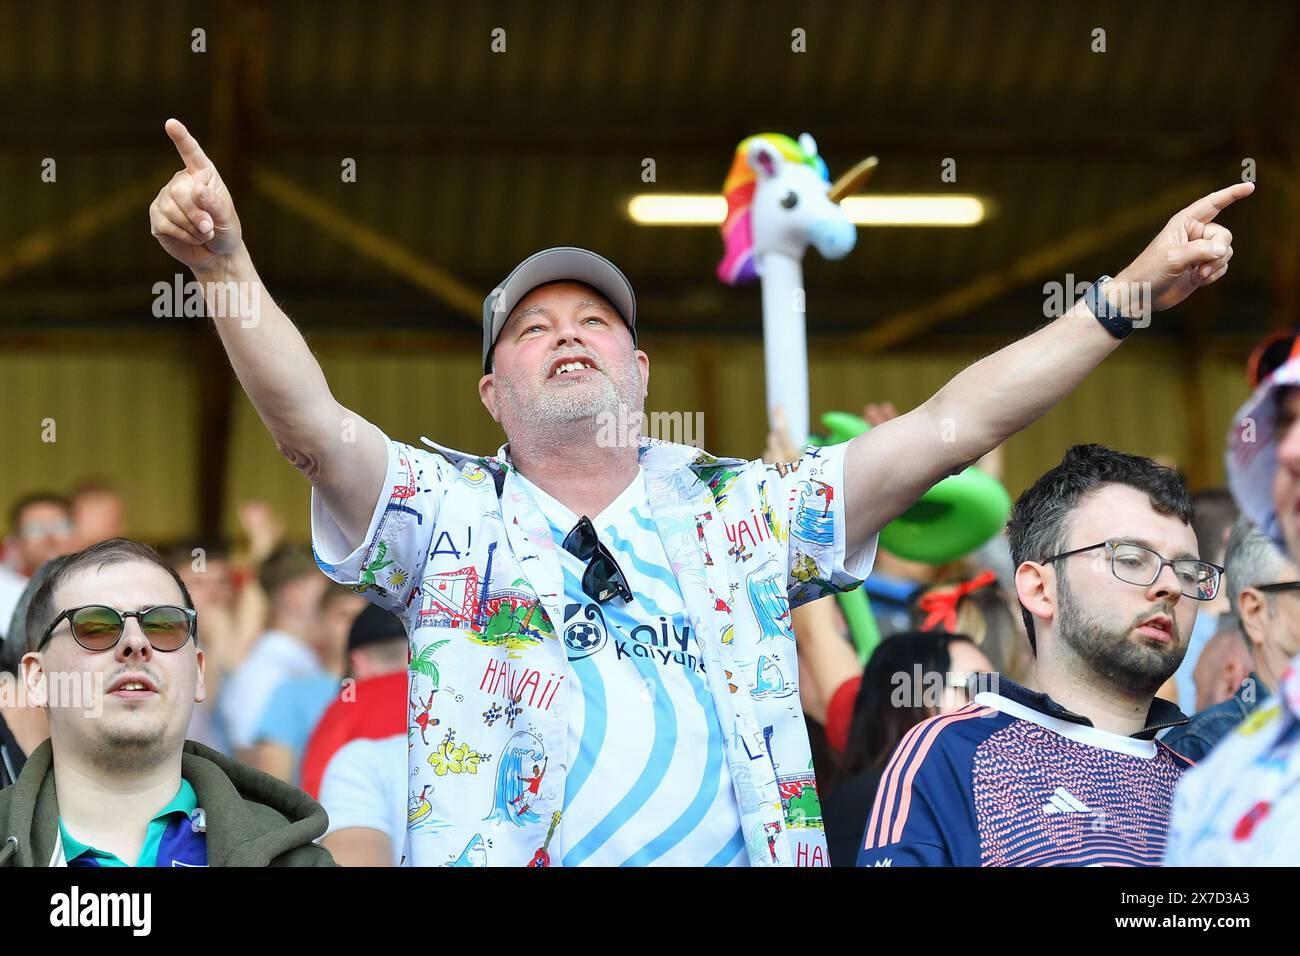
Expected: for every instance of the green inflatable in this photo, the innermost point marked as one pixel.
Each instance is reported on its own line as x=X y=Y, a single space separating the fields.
x=948 y=522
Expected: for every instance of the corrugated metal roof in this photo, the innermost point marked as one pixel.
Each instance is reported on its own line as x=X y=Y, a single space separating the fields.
x=474 y=159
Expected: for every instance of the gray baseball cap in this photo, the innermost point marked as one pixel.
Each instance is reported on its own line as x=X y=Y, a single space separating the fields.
x=555 y=265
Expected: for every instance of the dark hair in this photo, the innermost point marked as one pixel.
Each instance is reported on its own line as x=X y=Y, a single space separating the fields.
x=985 y=617
x=288 y=562
x=18 y=639
x=112 y=551
x=1038 y=528
x=337 y=592
x=878 y=725
x=36 y=498
x=1216 y=510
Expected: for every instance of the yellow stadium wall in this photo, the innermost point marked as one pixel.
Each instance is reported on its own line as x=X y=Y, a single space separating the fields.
x=124 y=415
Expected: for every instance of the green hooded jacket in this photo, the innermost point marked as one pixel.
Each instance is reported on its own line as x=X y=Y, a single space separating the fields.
x=252 y=818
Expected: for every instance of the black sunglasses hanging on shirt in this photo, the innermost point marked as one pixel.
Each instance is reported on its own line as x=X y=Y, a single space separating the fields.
x=603 y=580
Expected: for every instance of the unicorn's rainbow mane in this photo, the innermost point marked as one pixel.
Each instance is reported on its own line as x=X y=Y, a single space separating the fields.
x=737 y=265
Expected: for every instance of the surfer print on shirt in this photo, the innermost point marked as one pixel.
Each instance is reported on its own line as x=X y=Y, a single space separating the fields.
x=519 y=778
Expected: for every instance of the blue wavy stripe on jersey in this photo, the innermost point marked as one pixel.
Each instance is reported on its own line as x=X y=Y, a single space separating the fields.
x=652 y=571
x=656 y=766
x=644 y=523
x=727 y=855
x=704 y=797
x=595 y=722
x=687 y=811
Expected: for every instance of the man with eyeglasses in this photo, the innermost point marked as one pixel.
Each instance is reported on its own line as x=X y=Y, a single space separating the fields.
x=617 y=610
x=1263 y=589
x=41 y=526
x=1069 y=772
x=117 y=784
x=1241 y=806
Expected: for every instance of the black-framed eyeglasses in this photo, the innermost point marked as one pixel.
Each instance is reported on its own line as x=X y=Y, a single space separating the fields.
x=604 y=579
x=1279 y=586
x=1134 y=564
x=97 y=627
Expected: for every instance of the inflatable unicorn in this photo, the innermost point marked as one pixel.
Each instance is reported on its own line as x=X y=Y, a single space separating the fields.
x=780 y=199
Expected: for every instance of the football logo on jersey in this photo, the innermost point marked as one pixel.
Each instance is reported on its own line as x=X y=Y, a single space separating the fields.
x=584 y=630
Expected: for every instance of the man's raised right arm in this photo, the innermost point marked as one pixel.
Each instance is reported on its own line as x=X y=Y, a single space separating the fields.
x=344 y=456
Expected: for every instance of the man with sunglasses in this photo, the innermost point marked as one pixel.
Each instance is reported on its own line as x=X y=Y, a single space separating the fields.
x=1068 y=773
x=619 y=606
x=117 y=784
x=1241 y=806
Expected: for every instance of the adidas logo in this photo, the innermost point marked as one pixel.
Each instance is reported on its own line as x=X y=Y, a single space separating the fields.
x=1062 y=801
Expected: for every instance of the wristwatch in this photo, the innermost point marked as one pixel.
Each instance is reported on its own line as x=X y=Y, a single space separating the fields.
x=1114 y=321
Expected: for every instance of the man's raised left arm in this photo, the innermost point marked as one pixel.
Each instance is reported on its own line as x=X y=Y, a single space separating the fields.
x=889 y=467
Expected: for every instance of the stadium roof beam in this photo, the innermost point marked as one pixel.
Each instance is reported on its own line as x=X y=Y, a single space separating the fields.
x=1055 y=257
x=49 y=242
x=236 y=88
x=498 y=136
x=371 y=243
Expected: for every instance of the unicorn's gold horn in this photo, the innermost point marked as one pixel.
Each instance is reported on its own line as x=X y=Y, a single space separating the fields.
x=853 y=180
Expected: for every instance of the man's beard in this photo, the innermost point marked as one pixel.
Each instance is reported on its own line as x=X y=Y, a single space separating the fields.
x=124 y=748
x=1109 y=650
x=548 y=411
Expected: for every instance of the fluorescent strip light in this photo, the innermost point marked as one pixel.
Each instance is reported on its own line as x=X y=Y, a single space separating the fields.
x=703 y=209
x=677 y=209
x=914 y=210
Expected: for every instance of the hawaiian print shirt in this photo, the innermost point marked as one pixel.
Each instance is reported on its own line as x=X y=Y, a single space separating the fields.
x=1241 y=806
x=459 y=550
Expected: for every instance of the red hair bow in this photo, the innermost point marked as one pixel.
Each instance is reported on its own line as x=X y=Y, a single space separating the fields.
x=941 y=606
